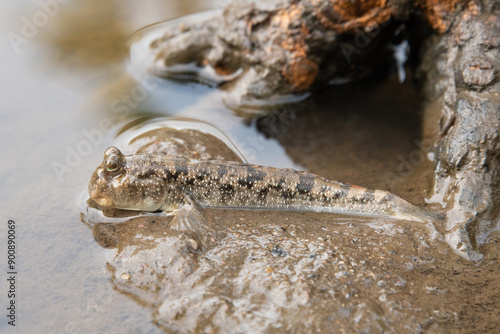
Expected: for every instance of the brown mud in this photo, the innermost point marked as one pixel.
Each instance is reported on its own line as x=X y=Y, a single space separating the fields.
x=282 y=272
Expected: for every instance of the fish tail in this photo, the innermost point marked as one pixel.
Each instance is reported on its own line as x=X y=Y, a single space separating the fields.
x=407 y=211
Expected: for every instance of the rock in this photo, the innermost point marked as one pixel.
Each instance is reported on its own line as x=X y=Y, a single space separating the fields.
x=460 y=78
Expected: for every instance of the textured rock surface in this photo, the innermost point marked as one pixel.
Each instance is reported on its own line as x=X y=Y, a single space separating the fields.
x=281 y=47
x=461 y=89
x=268 y=51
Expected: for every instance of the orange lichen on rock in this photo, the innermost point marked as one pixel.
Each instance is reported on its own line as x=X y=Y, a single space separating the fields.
x=437 y=12
x=302 y=71
x=347 y=15
x=343 y=16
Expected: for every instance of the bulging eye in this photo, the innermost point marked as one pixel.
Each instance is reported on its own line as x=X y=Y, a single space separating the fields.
x=112 y=164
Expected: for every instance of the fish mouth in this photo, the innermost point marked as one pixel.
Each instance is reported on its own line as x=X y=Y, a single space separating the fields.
x=102 y=201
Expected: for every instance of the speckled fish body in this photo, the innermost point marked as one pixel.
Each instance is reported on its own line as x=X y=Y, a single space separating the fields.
x=151 y=182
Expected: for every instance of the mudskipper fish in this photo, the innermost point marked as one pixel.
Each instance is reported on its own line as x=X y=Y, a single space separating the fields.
x=153 y=182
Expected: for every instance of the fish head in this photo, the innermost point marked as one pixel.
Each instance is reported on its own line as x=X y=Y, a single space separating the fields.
x=127 y=182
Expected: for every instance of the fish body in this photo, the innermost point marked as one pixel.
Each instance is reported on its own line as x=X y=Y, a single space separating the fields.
x=151 y=182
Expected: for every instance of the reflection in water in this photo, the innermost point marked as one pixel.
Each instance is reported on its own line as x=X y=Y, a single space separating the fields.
x=95 y=33
x=78 y=35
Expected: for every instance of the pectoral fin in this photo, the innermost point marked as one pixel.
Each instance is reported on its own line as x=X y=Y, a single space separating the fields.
x=189 y=219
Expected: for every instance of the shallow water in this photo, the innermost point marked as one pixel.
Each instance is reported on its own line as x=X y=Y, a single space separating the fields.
x=67 y=93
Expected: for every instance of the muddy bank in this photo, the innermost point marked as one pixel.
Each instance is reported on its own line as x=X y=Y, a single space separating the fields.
x=277 y=272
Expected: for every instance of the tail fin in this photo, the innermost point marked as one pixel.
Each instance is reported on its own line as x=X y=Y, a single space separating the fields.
x=407 y=211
